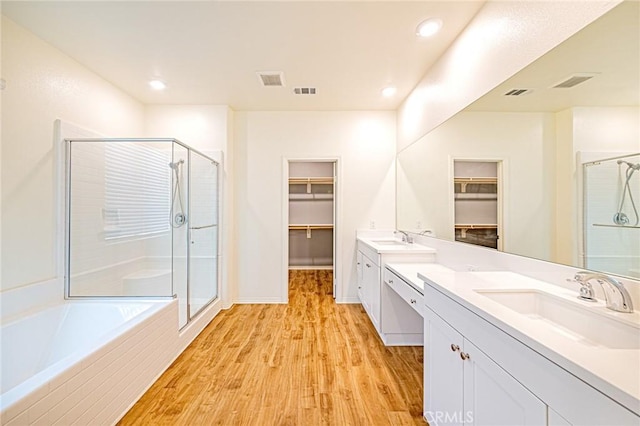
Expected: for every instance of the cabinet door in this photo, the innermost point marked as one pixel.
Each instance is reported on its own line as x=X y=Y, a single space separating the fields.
x=555 y=419
x=493 y=397
x=371 y=280
x=443 y=372
x=359 y=266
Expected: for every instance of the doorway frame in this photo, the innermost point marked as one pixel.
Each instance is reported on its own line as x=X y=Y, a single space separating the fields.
x=337 y=236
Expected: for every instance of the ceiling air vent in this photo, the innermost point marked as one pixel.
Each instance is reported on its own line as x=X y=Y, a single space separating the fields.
x=271 y=78
x=573 y=80
x=304 y=90
x=517 y=92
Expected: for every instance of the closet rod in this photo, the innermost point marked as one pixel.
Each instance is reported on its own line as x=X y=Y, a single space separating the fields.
x=303 y=227
x=477 y=226
x=316 y=180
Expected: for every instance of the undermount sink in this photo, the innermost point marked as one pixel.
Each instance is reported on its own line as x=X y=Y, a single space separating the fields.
x=389 y=242
x=571 y=320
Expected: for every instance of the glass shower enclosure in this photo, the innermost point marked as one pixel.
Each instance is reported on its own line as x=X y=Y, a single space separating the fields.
x=142 y=221
x=611 y=237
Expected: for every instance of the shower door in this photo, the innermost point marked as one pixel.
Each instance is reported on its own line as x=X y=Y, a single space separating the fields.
x=611 y=221
x=203 y=233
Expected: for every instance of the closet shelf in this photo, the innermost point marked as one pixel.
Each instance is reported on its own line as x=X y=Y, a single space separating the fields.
x=464 y=181
x=311 y=180
x=475 y=180
x=463 y=228
x=305 y=227
x=309 y=228
x=310 y=197
x=476 y=226
x=316 y=180
x=476 y=196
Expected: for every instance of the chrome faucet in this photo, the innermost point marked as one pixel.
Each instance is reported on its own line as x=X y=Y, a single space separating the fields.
x=405 y=237
x=615 y=294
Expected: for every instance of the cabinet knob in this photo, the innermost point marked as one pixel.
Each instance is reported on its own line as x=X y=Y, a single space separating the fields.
x=390 y=281
x=464 y=356
x=455 y=347
x=359 y=287
x=412 y=301
x=368 y=266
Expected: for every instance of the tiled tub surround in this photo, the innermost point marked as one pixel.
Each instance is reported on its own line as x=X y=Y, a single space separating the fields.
x=84 y=361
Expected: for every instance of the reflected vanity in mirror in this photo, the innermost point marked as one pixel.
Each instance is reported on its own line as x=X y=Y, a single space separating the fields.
x=565 y=135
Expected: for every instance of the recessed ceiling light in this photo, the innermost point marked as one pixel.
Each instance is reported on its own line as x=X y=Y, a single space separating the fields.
x=429 y=27
x=157 y=85
x=388 y=92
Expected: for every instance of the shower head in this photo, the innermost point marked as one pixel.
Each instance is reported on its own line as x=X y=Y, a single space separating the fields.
x=175 y=165
x=630 y=165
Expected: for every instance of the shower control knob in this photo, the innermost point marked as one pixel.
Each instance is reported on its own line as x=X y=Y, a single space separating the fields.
x=180 y=219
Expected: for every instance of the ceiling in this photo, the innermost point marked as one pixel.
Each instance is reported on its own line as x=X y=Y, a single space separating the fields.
x=608 y=47
x=208 y=52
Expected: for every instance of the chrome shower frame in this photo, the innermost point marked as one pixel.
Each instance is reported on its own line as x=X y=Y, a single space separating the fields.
x=67 y=148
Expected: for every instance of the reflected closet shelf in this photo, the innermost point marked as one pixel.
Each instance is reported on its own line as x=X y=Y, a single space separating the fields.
x=476 y=196
x=476 y=226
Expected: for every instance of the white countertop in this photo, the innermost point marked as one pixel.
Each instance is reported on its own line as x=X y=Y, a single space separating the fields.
x=410 y=271
x=615 y=372
x=384 y=245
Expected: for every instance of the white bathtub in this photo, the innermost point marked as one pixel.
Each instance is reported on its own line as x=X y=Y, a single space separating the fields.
x=83 y=361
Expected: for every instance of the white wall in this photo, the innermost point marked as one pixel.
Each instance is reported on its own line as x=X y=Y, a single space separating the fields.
x=43 y=85
x=606 y=129
x=503 y=38
x=203 y=127
x=524 y=142
x=365 y=144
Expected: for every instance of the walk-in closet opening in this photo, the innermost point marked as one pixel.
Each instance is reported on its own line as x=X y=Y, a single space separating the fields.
x=477 y=202
x=312 y=219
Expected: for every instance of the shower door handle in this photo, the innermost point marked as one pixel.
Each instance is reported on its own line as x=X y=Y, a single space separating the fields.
x=203 y=227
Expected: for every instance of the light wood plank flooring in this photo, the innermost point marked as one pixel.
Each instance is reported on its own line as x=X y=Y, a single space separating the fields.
x=311 y=362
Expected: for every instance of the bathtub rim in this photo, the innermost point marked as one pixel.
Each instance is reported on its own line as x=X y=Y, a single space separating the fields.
x=38 y=385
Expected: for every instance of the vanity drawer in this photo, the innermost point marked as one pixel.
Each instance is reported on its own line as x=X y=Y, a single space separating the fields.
x=406 y=292
x=367 y=251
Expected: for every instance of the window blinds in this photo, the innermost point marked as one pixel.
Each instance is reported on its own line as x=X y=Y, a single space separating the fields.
x=137 y=190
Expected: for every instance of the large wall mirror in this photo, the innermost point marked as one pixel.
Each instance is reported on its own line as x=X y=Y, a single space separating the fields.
x=561 y=136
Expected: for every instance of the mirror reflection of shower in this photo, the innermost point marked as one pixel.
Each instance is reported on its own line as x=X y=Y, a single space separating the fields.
x=177 y=217
x=620 y=217
x=611 y=199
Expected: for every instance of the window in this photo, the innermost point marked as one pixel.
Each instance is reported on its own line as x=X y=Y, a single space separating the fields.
x=137 y=190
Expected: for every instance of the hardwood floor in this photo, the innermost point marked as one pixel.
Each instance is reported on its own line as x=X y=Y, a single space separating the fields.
x=311 y=362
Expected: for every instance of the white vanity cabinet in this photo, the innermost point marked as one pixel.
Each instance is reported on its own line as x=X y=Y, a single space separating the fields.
x=369 y=287
x=396 y=320
x=475 y=369
x=463 y=385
